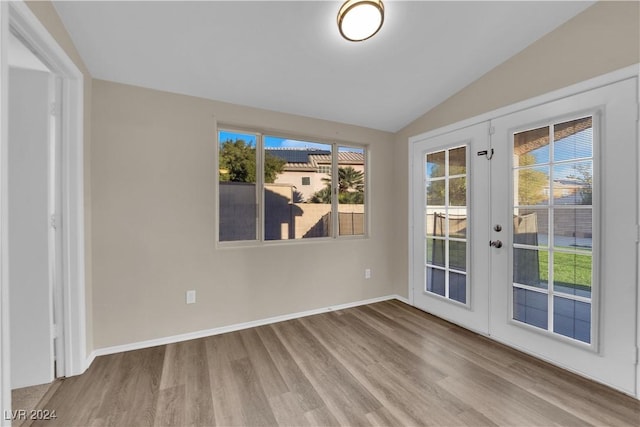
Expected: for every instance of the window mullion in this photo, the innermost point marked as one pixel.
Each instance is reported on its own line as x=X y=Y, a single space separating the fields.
x=335 y=183
x=260 y=187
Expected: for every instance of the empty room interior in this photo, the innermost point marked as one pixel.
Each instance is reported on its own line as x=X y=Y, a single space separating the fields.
x=362 y=212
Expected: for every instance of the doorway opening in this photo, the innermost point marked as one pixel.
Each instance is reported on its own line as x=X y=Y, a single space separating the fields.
x=34 y=193
x=64 y=225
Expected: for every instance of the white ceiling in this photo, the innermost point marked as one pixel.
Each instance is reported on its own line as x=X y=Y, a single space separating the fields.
x=288 y=56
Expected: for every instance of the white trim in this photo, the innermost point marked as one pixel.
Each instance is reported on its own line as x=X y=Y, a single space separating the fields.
x=410 y=241
x=402 y=299
x=29 y=27
x=638 y=259
x=599 y=81
x=5 y=371
x=232 y=328
x=18 y=16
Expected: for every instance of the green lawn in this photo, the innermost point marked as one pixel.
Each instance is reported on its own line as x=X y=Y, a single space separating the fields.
x=568 y=269
x=573 y=270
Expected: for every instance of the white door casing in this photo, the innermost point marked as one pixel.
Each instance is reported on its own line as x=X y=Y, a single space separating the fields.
x=18 y=16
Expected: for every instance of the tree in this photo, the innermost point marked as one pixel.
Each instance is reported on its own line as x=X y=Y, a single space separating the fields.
x=238 y=163
x=350 y=187
x=531 y=182
x=584 y=178
x=457 y=187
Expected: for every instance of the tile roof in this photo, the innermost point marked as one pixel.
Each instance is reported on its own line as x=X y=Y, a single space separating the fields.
x=306 y=158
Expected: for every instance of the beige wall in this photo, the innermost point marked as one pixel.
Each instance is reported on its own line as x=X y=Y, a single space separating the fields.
x=149 y=195
x=153 y=175
x=603 y=38
x=48 y=16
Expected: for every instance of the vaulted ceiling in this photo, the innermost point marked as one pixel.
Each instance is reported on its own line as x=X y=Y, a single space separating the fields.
x=288 y=55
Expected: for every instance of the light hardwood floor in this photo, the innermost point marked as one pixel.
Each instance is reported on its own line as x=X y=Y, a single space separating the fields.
x=381 y=364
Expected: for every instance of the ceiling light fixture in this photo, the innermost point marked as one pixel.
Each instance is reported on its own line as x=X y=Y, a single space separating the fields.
x=359 y=20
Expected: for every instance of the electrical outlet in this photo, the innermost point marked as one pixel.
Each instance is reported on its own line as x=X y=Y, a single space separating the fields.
x=191 y=297
x=367 y=273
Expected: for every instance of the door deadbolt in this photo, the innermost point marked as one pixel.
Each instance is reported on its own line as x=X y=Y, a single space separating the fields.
x=497 y=227
x=496 y=244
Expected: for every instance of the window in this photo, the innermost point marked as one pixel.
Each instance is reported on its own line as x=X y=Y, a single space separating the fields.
x=237 y=186
x=553 y=228
x=273 y=188
x=446 y=223
x=351 y=191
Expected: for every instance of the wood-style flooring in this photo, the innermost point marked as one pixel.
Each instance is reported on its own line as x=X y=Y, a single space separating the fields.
x=380 y=364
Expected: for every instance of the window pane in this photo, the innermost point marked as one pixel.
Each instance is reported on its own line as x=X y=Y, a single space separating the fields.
x=573 y=229
x=531 y=267
x=458 y=223
x=573 y=183
x=572 y=319
x=530 y=307
x=237 y=186
x=435 y=222
x=435 y=165
x=531 y=226
x=352 y=192
x=532 y=184
x=293 y=210
x=436 y=281
x=458 y=191
x=435 y=193
x=458 y=161
x=531 y=147
x=573 y=140
x=458 y=287
x=435 y=252
x=458 y=255
x=572 y=274
x=447 y=211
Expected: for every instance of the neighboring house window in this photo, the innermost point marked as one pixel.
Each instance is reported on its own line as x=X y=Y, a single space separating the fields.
x=260 y=196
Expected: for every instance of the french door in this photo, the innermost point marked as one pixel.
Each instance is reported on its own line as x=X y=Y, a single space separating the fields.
x=546 y=223
x=451 y=208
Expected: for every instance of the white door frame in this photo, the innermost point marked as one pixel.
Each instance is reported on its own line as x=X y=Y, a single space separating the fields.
x=603 y=80
x=16 y=15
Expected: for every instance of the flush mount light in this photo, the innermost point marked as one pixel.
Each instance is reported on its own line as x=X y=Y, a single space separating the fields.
x=359 y=20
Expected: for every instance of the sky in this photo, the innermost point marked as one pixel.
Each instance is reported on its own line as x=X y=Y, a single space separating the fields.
x=277 y=142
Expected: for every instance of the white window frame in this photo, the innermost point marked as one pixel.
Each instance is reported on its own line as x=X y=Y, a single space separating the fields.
x=260 y=214
x=447 y=238
x=595 y=208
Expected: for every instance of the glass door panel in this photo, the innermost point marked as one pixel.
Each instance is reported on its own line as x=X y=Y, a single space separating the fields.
x=446 y=212
x=553 y=227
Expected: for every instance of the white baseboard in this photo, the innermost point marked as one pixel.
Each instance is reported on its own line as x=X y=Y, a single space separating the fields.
x=231 y=328
x=402 y=299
